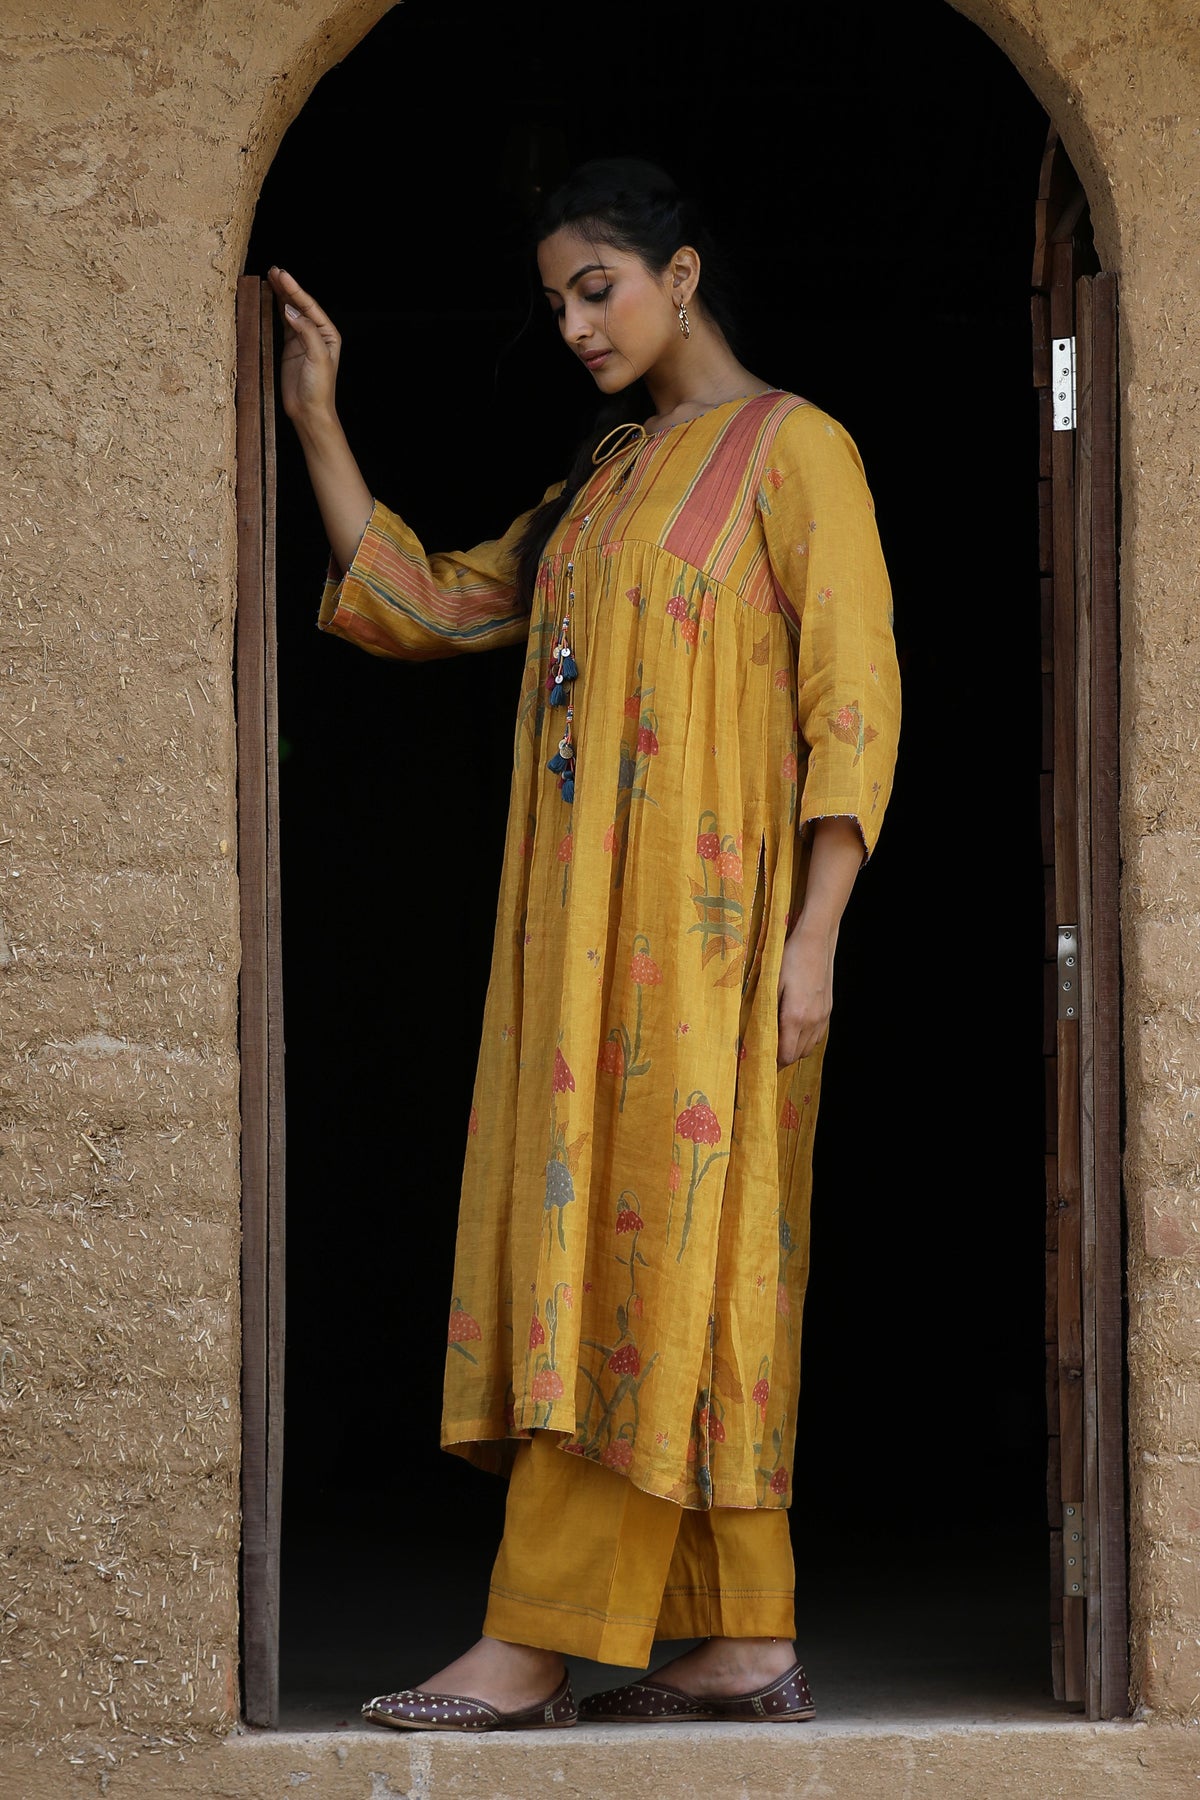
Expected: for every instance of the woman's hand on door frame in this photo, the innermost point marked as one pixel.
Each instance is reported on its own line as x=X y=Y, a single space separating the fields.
x=308 y=378
x=312 y=346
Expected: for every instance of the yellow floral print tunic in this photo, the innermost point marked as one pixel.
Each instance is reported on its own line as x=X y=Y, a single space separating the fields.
x=633 y=1236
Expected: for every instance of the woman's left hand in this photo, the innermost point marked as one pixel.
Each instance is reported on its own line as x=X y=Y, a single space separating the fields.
x=805 y=993
x=806 y=973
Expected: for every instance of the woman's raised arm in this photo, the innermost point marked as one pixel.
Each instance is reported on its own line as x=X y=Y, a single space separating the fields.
x=308 y=378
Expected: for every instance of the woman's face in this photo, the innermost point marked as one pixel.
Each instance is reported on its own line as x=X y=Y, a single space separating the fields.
x=614 y=313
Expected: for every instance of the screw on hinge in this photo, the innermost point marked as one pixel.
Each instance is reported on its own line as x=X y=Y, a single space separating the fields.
x=1068 y=971
x=1074 y=1551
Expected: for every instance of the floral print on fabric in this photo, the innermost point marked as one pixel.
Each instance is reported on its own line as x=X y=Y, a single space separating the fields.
x=634 y=1222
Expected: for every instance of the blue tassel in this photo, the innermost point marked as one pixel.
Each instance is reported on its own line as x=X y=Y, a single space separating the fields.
x=568 y=788
x=569 y=669
x=557 y=763
x=558 y=694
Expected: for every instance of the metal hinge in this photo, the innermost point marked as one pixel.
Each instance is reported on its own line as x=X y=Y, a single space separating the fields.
x=1068 y=971
x=1062 y=384
x=1074 y=1551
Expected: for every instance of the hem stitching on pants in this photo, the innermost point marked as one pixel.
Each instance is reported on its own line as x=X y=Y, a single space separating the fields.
x=717 y=1594
x=637 y=1620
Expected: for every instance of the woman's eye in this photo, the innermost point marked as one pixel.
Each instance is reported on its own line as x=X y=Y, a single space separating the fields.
x=558 y=313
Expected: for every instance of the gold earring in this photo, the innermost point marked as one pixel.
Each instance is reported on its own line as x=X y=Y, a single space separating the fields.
x=684 y=322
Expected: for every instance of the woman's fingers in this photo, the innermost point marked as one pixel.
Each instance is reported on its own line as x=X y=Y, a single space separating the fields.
x=310 y=322
x=799 y=1036
x=311 y=350
x=290 y=292
x=316 y=338
x=795 y=1049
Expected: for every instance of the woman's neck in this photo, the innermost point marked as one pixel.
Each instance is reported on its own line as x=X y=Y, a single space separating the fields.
x=701 y=373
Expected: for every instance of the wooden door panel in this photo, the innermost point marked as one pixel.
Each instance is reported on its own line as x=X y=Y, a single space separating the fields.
x=1084 y=1317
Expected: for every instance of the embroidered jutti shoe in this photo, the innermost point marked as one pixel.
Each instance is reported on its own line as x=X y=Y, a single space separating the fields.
x=785 y=1700
x=416 y=1709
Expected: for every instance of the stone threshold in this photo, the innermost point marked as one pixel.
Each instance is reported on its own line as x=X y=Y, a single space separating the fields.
x=843 y=1759
x=852 y=1758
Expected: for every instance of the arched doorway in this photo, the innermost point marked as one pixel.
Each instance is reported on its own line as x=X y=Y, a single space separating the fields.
x=886 y=236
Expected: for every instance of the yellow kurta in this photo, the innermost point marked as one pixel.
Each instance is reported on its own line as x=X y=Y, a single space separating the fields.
x=634 y=1225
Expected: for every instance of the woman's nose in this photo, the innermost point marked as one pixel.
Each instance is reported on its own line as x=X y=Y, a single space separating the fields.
x=577 y=327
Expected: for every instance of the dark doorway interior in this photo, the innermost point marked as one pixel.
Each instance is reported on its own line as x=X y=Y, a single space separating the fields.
x=875 y=170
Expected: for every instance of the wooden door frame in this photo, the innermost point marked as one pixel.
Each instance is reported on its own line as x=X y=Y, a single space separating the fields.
x=1075 y=304
x=261 y=1006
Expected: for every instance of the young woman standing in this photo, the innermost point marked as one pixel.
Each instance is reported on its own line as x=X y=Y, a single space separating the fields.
x=702 y=757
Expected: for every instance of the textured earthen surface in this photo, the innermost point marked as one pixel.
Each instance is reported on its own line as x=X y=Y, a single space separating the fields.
x=136 y=139
x=770 y=1762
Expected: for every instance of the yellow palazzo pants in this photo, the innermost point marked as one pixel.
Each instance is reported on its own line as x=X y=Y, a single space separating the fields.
x=593 y=1566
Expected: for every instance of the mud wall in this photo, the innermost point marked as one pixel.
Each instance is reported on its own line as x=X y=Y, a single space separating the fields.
x=137 y=138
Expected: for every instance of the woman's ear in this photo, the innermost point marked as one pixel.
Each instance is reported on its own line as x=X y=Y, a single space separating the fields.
x=685 y=275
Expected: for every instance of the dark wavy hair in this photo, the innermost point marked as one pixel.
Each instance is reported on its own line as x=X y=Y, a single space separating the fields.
x=632 y=206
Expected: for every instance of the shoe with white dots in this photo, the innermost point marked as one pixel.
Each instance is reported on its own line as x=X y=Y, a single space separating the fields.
x=416 y=1709
x=782 y=1702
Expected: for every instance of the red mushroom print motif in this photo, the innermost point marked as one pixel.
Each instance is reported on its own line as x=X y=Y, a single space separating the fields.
x=691 y=609
x=629 y=1225
x=772 y=1474
x=628 y=1219
x=618 y=1453
x=616 y=1371
x=698 y=1125
x=622 y=1053
x=718 y=900
x=463 y=1330
x=563 y=1080
x=547 y=1386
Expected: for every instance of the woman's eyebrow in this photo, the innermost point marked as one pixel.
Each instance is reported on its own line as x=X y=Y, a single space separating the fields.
x=587 y=269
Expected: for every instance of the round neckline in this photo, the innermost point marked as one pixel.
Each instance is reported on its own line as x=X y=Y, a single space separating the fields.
x=738 y=400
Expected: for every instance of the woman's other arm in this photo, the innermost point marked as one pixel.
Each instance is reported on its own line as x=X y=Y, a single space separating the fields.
x=806 y=973
x=308 y=379
x=385 y=592
x=829 y=569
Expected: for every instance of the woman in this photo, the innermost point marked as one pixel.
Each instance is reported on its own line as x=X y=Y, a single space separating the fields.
x=702 y=757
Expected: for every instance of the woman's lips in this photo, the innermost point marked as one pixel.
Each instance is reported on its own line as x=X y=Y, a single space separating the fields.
x=594 y=361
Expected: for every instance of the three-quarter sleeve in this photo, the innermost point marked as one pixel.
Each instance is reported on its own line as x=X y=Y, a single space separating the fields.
x=832 y=585
x=397 y=600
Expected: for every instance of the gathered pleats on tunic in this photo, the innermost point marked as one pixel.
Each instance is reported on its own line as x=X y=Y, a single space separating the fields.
x=633 y=1238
